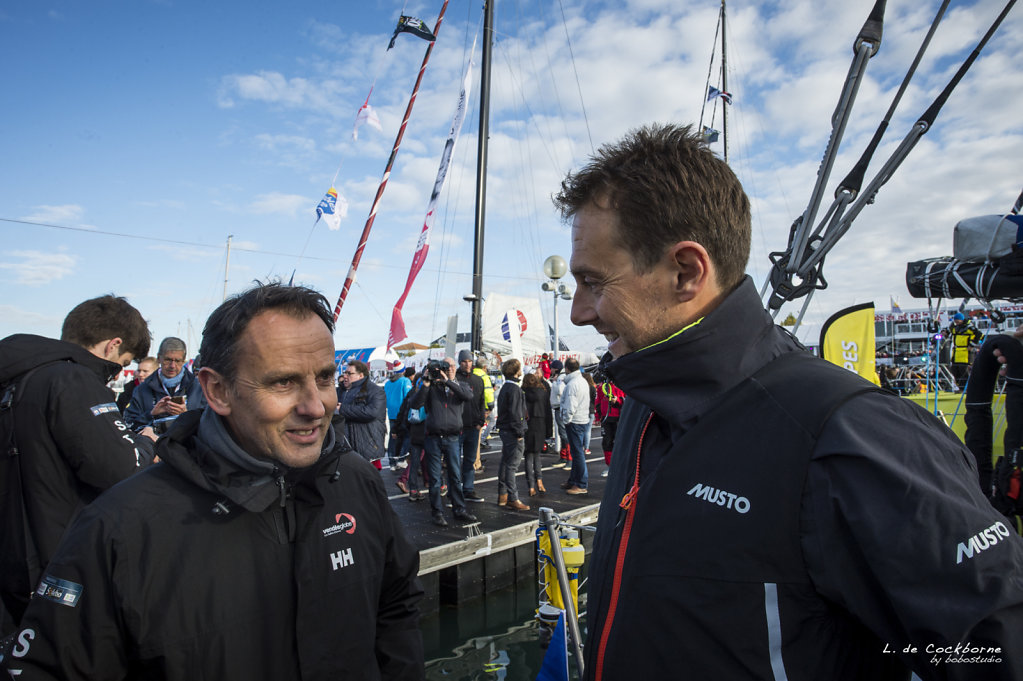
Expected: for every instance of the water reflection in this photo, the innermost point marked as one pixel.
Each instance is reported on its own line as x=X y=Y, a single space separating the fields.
x=493 y=638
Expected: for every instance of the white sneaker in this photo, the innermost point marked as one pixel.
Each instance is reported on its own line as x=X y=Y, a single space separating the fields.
x=604 y=474
x=403 y=464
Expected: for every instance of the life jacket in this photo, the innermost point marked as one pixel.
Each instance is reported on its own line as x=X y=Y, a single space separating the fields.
x=488 y=387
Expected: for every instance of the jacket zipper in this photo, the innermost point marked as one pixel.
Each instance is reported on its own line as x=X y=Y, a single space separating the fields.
x=628 y=502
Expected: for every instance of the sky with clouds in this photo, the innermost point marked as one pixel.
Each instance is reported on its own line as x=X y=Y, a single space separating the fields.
x=139 y=135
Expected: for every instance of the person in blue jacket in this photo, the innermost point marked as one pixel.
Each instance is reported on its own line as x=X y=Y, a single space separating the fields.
x=167 y=393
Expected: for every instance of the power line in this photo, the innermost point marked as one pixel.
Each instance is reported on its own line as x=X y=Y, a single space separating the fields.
x=196 y=244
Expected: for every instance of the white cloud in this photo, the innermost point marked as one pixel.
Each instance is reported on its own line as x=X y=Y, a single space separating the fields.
x=281 y=204
x=36 y=268
x=273 y=88
x=56 y=215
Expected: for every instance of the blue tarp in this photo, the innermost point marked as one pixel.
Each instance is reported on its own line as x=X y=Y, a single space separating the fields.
x=360 y=354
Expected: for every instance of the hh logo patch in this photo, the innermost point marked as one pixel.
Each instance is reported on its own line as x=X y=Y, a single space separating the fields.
x=59 y=591
x=104 y=408
x=341 y=559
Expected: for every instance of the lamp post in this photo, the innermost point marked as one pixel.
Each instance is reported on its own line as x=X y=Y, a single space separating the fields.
x=554 y=268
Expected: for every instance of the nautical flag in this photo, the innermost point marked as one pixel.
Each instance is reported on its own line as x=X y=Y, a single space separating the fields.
x=332 y=208
x=847 y=339
x=710 y=135
x=368 y=116
x=414 y=26
x=714 y=92
x=397 y=332
x=555 y=660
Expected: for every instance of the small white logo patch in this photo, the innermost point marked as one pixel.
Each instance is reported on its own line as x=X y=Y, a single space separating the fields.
x=720 y=497
x=341 y=559
x=981 y=541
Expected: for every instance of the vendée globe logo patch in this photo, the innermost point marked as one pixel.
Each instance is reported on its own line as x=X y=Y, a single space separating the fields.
x=343 y=522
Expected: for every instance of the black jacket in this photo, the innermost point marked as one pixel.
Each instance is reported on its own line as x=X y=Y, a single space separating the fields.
x=443 y=402
x=760 y=544
x=203 y=567
x=364 y=407
x=511 y=409
x=538 y=427
x=72 y=443
x=474 y=409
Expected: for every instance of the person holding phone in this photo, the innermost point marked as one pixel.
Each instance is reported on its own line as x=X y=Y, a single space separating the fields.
x=167 y=393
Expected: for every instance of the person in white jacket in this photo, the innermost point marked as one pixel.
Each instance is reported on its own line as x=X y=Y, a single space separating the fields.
x=575 y=413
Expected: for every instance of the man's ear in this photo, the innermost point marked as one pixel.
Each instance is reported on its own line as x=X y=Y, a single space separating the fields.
x=217 y=390
x=693 y=270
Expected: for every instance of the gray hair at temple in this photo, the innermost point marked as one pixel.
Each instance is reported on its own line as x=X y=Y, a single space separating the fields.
x=171 y=344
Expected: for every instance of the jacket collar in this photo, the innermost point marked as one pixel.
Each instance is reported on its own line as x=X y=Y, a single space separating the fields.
x=23 y=351
x=199 y=447
x=683 y=375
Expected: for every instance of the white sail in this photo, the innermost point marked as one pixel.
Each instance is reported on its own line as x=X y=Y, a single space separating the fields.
x=497 y=336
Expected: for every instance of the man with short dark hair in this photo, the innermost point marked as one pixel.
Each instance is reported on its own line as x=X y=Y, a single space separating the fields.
x=474 y=417
x=768 y=515
x=363 y=405
x=166 y=393
x=575 y=413
x=259 y=548
x=63 y=441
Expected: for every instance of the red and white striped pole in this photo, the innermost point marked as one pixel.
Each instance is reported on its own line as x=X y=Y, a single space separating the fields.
x=387 y=172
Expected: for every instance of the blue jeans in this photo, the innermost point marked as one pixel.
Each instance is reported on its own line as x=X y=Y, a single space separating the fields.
x=448 y=446
x=576 y=434
x=470 y=441
x=559 y=426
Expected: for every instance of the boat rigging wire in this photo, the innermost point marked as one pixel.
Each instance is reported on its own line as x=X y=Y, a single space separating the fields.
x=571 y=54
x=798 y=271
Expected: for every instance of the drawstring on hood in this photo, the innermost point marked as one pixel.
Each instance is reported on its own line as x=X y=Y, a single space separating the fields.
x=220 y=465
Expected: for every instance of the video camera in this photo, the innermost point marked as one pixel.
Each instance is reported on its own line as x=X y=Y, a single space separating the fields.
x=437 y=369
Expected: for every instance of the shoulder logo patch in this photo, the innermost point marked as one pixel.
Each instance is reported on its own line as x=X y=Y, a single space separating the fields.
x=104 y=409
x=59 y=591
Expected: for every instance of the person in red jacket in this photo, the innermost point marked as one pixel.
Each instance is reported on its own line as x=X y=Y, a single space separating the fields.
x=609 y=404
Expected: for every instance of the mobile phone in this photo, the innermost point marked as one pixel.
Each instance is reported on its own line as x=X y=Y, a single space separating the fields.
x=178 y=399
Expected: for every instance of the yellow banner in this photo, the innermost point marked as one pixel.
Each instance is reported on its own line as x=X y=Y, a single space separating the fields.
x=847 y=339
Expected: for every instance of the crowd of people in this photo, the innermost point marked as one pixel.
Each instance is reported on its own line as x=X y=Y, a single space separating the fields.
x=437 y=421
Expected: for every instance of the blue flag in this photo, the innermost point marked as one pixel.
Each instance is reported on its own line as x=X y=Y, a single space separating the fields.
x=555 y=661
x=714 y=92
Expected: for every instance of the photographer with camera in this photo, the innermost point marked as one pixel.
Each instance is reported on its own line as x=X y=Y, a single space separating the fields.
x=443 y=398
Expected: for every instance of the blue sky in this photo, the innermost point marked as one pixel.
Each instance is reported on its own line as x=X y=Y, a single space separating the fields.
x=150 y=131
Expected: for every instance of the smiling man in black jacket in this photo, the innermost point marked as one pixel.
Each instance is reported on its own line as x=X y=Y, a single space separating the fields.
x=258 y=549
x=768 y=515
x=62 y=437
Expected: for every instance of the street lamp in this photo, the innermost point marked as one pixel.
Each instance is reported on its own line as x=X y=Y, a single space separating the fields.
x=555 y=268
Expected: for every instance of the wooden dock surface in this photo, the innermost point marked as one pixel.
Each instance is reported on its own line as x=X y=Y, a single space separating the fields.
x=499 y=529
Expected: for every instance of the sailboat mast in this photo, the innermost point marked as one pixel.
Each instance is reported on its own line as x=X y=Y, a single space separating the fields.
x=724 y=80
x=481 y=177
